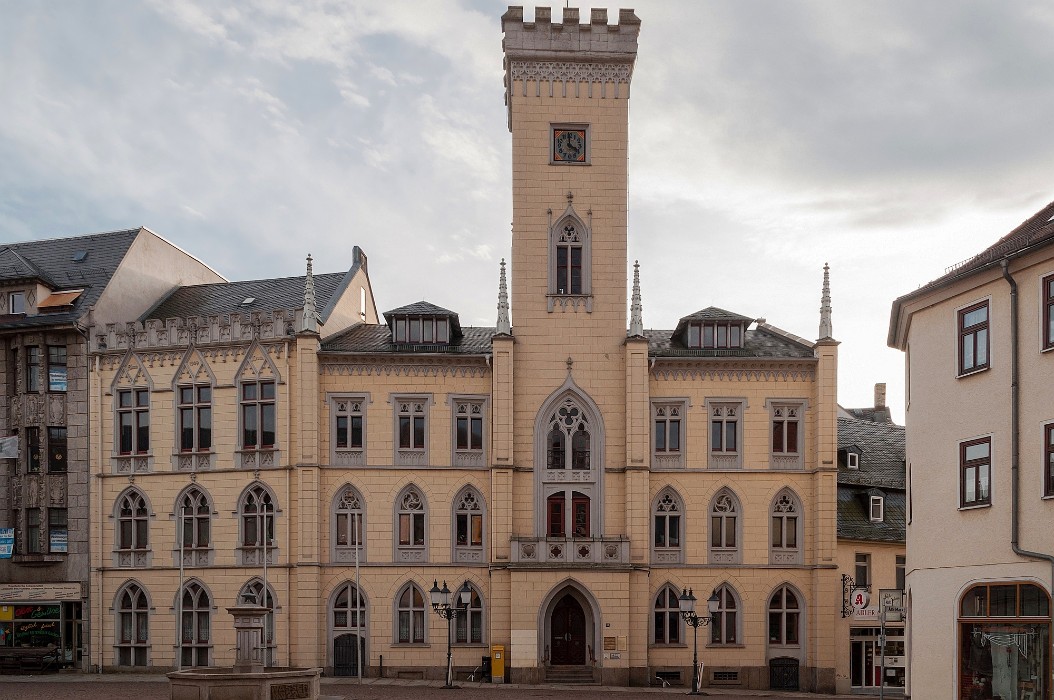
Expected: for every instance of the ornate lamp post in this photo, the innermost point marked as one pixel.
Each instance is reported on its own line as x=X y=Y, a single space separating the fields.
x=442 y=607
x=687 y=604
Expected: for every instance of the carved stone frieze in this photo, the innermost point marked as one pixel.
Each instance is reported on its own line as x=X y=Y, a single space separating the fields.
x=57 y=409
x=423 y=369
x=700 y=370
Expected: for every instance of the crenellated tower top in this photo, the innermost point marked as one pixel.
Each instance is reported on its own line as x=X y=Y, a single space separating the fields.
x=569 y=56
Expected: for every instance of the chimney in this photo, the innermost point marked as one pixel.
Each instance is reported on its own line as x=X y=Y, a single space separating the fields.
x=880 y=395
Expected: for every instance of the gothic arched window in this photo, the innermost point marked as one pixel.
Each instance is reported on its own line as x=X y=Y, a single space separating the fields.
x=194 y=527
x=410 y=615
x=256 y=509
x=667 y=544
x=348 y=522
x=132 y=628
x=724 y=528
x=786 y=529
x=195 y=638
x=468 y=525
x=411 y=526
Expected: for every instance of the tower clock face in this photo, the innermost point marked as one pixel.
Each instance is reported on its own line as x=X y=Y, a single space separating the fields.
x=569 y=145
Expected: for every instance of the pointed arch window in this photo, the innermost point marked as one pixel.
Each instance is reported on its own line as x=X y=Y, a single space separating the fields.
x=786 y=529
x=784 y=617
x=411 y=535
x=195 y=418
x=667 y=545
x=410 y=615
x=132 y=628
x=788 y=447
x=667 y=623
x=468 y=625
x=195 y=636
x=468 y=526
x=725 y=624
x=569 y=439
x=348 y=448
x=265 y=597
x=349 y=609
x=256 y=511
x=194 y=527
x=724 y=528
x=570 y=267
x=349 y=526
x=132 y=532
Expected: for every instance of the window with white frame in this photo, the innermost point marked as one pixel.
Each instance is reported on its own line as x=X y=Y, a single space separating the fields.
x=16 y=303
x=468 y=432
x=667 y=623
x=411 y=431
x=195 y=637
x=411 y=533
x=349 y=431
x=852 y=460
x=667 y=547
x=668 y=434
x=724 y=528
x=468 y=526
x=725 y=623
x=410 y=615
x=468 y=626
x=785 y=529
x=132 y=629
x=877 y=508
x=349 y=526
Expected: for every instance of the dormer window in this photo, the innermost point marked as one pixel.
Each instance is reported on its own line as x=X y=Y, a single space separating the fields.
x=16 y=303
x=421 y=329
x=852 y=460
x=715 y=335
x=877 y=509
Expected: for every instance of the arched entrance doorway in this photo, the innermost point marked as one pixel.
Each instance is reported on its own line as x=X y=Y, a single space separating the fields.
x=567 y=637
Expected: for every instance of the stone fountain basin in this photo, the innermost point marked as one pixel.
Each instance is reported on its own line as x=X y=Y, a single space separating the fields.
x=220 y=683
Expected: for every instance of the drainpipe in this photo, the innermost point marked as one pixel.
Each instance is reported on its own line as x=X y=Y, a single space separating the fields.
x=1015 y=430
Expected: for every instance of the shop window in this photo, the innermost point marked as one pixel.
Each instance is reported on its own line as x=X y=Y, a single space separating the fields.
x=1004 y=641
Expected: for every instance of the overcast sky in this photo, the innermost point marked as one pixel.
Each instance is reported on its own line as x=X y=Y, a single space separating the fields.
x=891 y=139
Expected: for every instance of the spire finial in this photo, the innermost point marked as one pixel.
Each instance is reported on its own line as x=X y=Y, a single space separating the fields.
x=310 y=321
x=504 y=324
x=636 y=313
x=826 y=331
x=570 y=196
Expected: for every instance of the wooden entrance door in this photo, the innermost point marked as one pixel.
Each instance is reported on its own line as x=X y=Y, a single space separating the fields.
x=346 y=654
x=568 y=633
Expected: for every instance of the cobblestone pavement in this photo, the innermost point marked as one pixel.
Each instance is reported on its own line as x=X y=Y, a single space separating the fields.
x=151 y=687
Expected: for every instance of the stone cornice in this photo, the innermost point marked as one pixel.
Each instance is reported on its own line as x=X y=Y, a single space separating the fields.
x=701 y=369
x=378 y=366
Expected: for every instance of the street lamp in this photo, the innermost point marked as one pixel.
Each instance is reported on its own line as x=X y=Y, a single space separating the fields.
x=687 y=605
x=443 y=608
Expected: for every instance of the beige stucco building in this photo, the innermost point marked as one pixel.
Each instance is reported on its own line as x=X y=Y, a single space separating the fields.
x=51 y=292
x=980 y=452
x=576 y=476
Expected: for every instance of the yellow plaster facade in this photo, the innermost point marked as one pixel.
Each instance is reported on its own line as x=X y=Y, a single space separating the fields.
x=565 y=565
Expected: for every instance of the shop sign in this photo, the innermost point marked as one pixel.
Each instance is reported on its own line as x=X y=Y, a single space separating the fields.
x=57 y=380
x=860 y=599
x=866 y=614
x=29 y=592
x=894 y=661
x=7 y=542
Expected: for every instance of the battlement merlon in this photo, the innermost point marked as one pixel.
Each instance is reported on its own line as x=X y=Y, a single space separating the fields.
x=561 y=58
x=541 y=40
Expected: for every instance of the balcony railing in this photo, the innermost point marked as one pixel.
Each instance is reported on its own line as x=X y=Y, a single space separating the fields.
x=571 y=551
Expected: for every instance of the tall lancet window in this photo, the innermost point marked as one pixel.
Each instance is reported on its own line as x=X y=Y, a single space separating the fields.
x=568 y=427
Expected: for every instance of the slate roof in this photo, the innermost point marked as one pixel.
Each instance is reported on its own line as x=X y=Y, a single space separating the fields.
x=227 y=297
x=880 y=414
x=51 y=262
x=377 y=338
x=424 y=308
x=764 y=341
x=1035 y=232
x=854 y=521
x=712 y=313
x=881 y=447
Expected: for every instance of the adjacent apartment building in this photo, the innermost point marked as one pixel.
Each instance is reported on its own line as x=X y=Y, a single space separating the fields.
x=574 y=471
x=52 y=292
x=871 y=553
x=979 y=351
